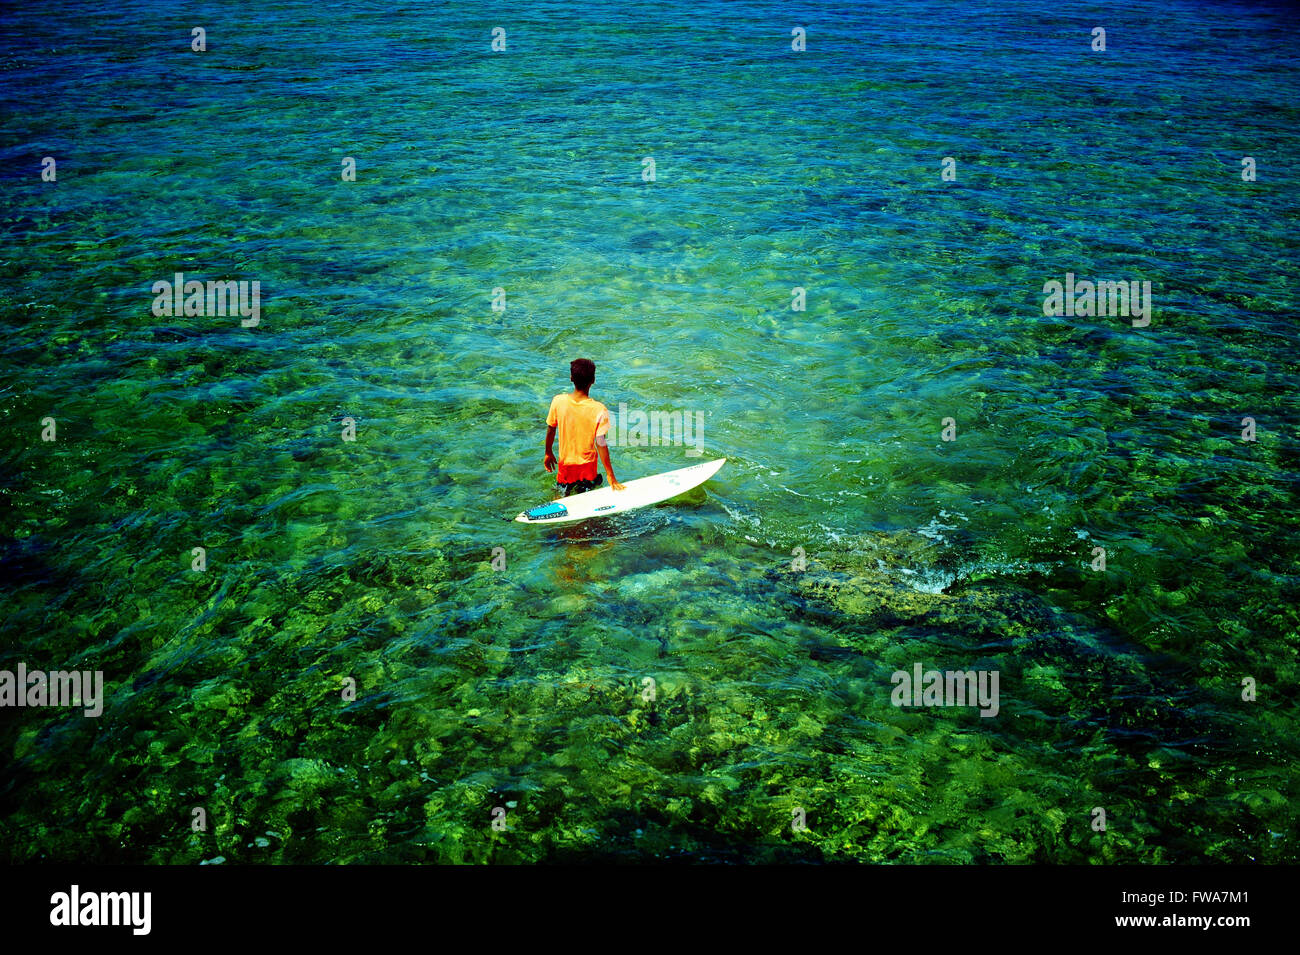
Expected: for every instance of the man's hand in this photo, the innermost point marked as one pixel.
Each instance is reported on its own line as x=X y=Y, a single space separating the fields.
x=602 y=451
x=549 y=462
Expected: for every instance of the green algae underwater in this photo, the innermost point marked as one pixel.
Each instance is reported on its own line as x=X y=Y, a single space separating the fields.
x=844 y=540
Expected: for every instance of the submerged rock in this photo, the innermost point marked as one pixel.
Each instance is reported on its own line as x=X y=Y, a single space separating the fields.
x=905 y=580
x=306 y=773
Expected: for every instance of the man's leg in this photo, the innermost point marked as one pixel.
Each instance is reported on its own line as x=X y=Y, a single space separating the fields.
x=579 y=487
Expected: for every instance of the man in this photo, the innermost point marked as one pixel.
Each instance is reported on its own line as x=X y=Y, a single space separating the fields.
x=582 y=423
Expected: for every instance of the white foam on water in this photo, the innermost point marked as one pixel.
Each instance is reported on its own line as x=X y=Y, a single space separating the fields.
x=739 y=516
x=930 y=580
x=933 y=530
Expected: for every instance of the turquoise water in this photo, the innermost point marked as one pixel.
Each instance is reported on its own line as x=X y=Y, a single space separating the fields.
x=523 y=687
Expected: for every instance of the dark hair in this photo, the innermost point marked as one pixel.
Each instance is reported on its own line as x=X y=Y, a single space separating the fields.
x=582 y=372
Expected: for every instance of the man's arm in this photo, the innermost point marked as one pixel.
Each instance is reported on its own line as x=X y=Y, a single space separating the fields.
x=549 y=462
x=602 y=450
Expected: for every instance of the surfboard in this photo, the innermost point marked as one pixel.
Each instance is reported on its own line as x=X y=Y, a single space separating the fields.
x=638 y=493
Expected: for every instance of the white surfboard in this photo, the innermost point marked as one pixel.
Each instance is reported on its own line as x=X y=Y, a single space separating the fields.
x=605 y=500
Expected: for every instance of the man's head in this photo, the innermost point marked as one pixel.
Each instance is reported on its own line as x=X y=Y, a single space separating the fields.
x=582 y=372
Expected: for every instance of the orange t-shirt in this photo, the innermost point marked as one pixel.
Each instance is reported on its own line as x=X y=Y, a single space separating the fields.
x=579 y=422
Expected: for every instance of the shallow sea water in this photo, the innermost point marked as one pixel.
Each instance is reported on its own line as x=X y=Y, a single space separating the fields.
x=524 y=688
